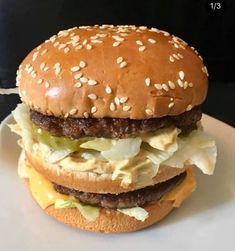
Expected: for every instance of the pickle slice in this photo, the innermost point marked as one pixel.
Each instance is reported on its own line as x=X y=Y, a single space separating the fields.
x=56 y=142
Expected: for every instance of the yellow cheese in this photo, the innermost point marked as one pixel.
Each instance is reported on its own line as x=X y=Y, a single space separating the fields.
x=182 y=191
x=41 y=188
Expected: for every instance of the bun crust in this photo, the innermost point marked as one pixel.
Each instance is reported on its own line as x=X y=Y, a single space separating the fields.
x=122 y=72
x=111 y=221
x=94 y=183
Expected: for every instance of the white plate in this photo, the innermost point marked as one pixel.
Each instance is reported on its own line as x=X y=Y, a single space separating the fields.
x=206 y=221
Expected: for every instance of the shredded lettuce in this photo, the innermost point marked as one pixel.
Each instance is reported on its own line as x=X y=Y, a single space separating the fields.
x=21 y=116
x=123 y=149
x=89 y=212
x=137 y=212
x=198 y=149
x=54 y=156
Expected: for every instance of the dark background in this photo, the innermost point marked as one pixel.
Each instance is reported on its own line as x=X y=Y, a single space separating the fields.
x=209 y=26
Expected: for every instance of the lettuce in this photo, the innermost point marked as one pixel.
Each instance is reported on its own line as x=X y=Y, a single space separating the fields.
x=198 y=149
x=21 y=116
x=123 y=149
x=54 y=156
x=89 y=212
x=137 y=212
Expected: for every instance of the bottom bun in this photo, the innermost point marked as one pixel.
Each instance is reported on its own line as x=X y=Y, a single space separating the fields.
x=112 y=221
x=109 y=220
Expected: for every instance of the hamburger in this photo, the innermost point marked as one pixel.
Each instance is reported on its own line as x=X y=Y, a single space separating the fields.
x=110 y=125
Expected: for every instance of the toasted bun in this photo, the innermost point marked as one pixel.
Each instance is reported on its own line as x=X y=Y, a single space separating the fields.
x=127 y=72
x=112 y=221
x=94 y=183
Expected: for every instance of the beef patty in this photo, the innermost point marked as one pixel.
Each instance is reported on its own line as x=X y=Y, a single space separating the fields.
x=111 y=127
x=125 y=200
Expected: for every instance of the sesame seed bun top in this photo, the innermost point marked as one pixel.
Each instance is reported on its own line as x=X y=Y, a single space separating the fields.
x=113 y=71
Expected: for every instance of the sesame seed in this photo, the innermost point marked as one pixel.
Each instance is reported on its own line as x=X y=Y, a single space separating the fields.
x=75 y=68
x=92 y=96
x=47 y=85
x=56 y=43
x=142 y=27
x=78 y=47
x=77 y=76
x=93 y=109
x=200 y=57
x=171 y=84
x=92 y=82
x=96 y=41
x=73 y=111
x=108 y=90
x=189 y=107
x=117 y=38
x=152 y=41
x=204 y=69
x=42 y=65
x=119 y=60
x=180 y=83
x=158 y=86
x=171 y=105
x=86 y=114
x=62 y=46
x=185 y=85
x=94 y=37
x=66 y=115
x=84 y=42
x=75 y=38
x=148 y=111
x=139 y=42
x=88 y=47
x=43 y=52
x=171 y=99
x=82 y=64
x=181 y=75
x=180 y=55
x=126 y=108
x=176 y=45
x=56 y=65
x=66 y=50
x=78 y=84
x=112 y=107
x=84 y=80
x=39 y=47
x=45 y=68
x=40 y=81
x=123 y=100
x=57 y=70
x=115 y=44
x=181 y=46
x=166 y=34
x=190 y=84
x=35 y=55
x=165 y=87
x=123 y=64
x=147 y=81
x=34 y=74
x=171 y=59
x=116 y=100
x=142 y=48
x=175 y=56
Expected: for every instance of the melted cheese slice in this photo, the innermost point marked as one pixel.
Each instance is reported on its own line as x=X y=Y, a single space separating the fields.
x=41 y=188
x=45 y=194
x=183 y=190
